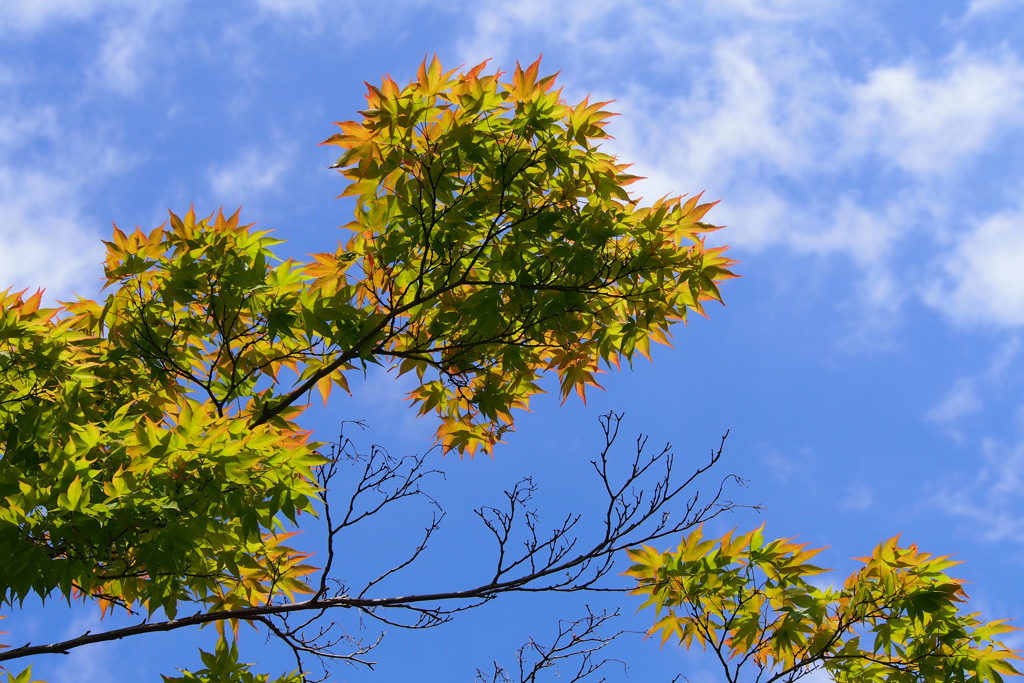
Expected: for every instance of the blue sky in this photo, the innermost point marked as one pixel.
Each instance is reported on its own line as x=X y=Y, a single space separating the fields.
x=868 y=156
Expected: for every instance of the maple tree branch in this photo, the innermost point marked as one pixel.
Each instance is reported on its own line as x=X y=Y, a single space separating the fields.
x=553 y=562
x=576 y=640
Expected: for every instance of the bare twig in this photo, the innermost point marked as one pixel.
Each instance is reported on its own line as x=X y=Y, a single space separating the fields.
x=645 y=503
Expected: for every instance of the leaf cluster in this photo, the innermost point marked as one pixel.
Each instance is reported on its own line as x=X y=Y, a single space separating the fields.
x=132 y=469
x=222 y=666
x=896 y=618
x=496 y=242
x=150 y=451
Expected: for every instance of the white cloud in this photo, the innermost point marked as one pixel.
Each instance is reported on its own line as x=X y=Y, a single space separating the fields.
x=96 y=663
x=927 y=124
x=125 y=33
x=252 y=174
x=969 y=394
x=118 y=65
x=748 y=105
x=762 y=113
x=308 y=8
x=981 y=279
x=46 y=238
x=745 y=131
x=750 y=119
x=1002 y=360
x=865 y=235
x=771 y=10
x=961 y=400
x=495 y=24
x=750 y=111
x=47 y=164
x=45 y=241
x=756 y=220
x=992 y=501
x=352 y=26
x=132 y=41
x=978 y=7
x=842 y=227
x=620 y=27
x=20 y=128
x=859 y=497
x=38 y=15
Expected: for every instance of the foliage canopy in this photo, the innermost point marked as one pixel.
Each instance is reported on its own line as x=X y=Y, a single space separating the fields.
x=750 y=600
x=151 y=456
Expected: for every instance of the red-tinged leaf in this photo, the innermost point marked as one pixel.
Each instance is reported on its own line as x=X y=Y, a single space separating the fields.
x=422 y=76
x=176 y=224
x=324 y=385
x=690 y=204
x=473 y=74
x=338 y=377
x=700 y=211
x=545 y=83
x=531 y=71
x=31 y=304
x=373 y=94
x=389 y=87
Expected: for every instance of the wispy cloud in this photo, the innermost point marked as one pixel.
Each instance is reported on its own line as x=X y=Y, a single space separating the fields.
x=93 y=664
x=134 y=42
x=125 y=34
x=761 y=114
x=39 y=15
x=19 y=127
x=990 y=496
x=991 y=501
x=47 y=238
x=302 y=8
x=121 y=56
x=980 y=278
x=859 y=497
x=979 y=7
x=960 y=401
x=618 y=28
x=45 y=241
x=253 y=173
x=931 y=123
x=968 y=393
